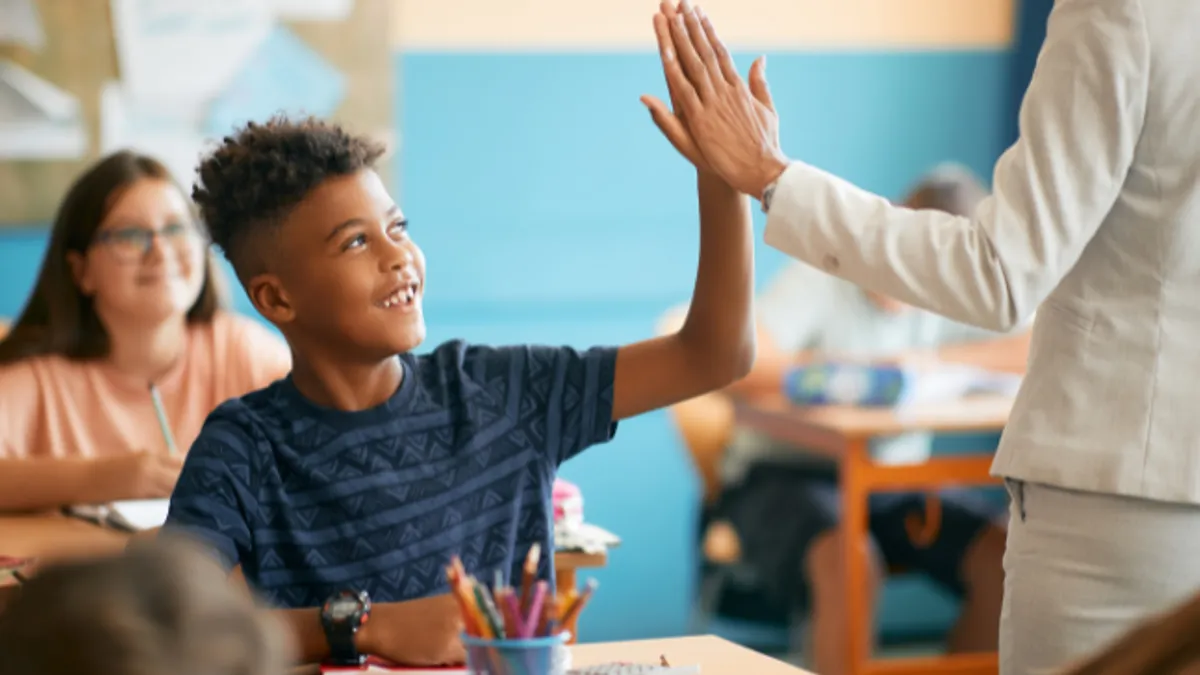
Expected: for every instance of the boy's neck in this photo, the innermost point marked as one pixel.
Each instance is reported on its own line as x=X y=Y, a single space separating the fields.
x=346 y=386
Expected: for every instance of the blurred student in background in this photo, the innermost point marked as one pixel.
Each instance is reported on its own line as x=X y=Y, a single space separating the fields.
x=161 y=608
x=776 y=507
x=127 y=298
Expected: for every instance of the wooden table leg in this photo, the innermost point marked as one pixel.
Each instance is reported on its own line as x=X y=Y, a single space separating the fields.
x=565 y=579
x=855 y=551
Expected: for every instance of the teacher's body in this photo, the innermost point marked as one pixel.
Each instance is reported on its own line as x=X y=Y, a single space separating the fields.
x=1095 y=222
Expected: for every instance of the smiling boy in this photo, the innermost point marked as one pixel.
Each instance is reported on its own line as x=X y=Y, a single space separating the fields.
x=367 y=468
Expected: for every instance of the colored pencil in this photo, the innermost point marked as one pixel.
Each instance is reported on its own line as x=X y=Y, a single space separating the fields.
x=530 y=574
x=492 y=623
x=466 y=604
x=514 y=625
x=499 y=612
x=577 y=606
x=533 y=620
x=163 y=425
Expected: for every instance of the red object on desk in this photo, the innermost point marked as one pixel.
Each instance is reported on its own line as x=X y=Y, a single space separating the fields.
x=374 y=665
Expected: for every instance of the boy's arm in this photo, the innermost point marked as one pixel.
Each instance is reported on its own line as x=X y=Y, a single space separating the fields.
x=715 y=345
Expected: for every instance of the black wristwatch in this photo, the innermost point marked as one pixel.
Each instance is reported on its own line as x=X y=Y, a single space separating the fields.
x=341 y=616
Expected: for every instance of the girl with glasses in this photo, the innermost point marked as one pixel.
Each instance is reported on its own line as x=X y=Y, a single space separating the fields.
x=126 y=304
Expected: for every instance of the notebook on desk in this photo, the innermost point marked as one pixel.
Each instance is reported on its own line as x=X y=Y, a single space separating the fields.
x=133 y=515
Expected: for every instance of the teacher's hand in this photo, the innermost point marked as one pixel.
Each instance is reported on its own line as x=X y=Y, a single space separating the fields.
x=719 y=123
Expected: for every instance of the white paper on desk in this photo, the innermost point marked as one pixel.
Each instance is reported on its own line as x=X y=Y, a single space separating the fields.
x=946 y=383
x=19 y=23
x=139 y=514
x=635 y=669
x=37 y=119
x=186 y=51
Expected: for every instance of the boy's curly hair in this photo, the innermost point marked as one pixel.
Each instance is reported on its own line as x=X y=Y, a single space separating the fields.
x=255 y=177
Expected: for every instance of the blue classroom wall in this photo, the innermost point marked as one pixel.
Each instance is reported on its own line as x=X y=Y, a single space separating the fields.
x=551 y=211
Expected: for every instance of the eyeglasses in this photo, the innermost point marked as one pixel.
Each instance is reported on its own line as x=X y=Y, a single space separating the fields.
x=130 y=244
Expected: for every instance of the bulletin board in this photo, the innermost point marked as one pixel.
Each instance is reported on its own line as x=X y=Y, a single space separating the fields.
x=80 y=55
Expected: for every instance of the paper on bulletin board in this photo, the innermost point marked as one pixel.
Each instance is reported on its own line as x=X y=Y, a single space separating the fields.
x=313 y=10
x=38 y=120
x=183 y=52
x=166 y=132
x=20 y=24
x=283 y=75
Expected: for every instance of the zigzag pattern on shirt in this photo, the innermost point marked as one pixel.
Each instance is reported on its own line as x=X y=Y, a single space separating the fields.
x=459 y=461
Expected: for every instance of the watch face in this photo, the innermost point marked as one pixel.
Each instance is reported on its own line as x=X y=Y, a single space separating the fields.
x=343 y=608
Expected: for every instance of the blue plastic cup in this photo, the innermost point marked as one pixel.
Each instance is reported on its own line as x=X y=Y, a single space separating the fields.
x=535 y=656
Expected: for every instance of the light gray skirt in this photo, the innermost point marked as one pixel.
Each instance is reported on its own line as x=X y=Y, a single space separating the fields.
x=1082 y=568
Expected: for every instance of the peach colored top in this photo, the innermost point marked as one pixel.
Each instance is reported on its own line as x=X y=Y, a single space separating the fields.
x=51 y=406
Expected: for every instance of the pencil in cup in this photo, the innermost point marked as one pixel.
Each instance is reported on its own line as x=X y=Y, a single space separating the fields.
x=515 y=632
x=502 y=612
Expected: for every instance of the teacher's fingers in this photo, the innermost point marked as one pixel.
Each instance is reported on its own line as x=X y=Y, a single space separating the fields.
x=683 y=94
x=720 y=53
x=702 y=45
x=693 y=66
x=758 y=82
x=674 y=130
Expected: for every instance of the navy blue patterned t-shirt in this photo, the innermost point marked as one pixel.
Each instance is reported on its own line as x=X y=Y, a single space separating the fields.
x=460 y=460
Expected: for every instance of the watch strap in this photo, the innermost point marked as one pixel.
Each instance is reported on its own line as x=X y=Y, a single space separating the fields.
x=768 y=196
x=342 y=650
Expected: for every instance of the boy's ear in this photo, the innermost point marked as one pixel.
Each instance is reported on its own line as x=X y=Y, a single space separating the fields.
x=270 y=299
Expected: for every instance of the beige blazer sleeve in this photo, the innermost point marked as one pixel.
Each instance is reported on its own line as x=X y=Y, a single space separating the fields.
x=1079 y=125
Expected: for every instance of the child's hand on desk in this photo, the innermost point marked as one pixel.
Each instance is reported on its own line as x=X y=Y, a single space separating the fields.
x=139 y=475
x=425 y=632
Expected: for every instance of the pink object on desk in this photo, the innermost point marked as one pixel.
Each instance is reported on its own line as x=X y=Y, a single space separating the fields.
x=568 y=504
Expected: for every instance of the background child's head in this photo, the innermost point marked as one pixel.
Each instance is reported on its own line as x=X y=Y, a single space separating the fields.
x=126 y=253
x=950 y=188
x=315 y=238
x=162 y=608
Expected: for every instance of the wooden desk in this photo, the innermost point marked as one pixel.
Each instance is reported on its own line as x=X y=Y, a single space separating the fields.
x=843 y=434
x=54 y=536
x=714 y=655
